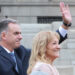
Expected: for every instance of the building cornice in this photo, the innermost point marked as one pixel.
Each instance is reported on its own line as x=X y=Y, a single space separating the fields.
x=34 y=4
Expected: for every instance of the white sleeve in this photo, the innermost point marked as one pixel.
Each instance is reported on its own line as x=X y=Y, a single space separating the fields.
x=62 y=31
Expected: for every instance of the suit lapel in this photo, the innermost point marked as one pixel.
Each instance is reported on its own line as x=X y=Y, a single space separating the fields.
x=6 y=56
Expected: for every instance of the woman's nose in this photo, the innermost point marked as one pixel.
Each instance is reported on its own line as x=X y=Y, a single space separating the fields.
x=58 y=46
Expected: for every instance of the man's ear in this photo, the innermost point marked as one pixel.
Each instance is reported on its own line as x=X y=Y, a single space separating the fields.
x=3 y=35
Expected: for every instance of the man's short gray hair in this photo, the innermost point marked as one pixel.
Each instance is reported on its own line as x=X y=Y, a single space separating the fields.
x=4 y=24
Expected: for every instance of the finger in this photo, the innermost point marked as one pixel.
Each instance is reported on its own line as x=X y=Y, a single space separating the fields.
x=62 y=6
x=67 y=7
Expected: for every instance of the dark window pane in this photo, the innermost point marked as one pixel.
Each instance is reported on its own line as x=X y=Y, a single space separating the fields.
x=48 y=19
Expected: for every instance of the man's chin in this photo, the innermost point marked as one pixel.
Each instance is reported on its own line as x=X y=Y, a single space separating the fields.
x=17 y=46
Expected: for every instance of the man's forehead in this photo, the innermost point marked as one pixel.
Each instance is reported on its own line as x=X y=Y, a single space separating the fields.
x=14 y=27
x=13 y=24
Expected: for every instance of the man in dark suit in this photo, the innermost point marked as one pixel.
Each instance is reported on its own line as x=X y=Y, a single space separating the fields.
x=10 y=37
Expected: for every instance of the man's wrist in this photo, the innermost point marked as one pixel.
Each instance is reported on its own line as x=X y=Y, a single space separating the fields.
x=67 y=25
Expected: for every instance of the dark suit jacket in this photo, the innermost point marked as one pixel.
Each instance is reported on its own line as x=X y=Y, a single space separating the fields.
x=7 y=66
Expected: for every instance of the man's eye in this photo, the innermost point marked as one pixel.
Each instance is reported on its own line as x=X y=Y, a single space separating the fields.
x=16 y=33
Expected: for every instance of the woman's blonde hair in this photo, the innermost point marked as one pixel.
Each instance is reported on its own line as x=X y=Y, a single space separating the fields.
x=40 y=42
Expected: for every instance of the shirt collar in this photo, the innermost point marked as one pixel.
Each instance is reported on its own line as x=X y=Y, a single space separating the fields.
x=8 y=51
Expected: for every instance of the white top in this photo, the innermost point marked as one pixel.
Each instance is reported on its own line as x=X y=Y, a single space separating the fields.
x=47 y=68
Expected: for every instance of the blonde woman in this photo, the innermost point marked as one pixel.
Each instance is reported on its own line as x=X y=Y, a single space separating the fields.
x=45 y=50
x=46 y=47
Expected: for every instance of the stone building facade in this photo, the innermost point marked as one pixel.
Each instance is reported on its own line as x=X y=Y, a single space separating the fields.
x=37 y=15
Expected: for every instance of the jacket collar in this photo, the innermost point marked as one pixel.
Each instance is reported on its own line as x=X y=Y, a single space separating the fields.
x=6 y=55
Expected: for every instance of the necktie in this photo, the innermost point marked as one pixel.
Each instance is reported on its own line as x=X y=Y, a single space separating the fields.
x=13 y=56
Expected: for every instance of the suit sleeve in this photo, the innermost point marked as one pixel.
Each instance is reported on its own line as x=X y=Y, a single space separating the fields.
x=61 y=37
x=24 y=55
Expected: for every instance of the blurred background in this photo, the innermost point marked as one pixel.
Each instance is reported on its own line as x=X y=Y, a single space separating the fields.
x=36 y=15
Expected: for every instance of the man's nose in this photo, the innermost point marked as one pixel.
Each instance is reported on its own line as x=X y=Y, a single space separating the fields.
x=20 y=36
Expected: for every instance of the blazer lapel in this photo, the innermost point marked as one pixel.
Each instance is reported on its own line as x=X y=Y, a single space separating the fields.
x=6 y=55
